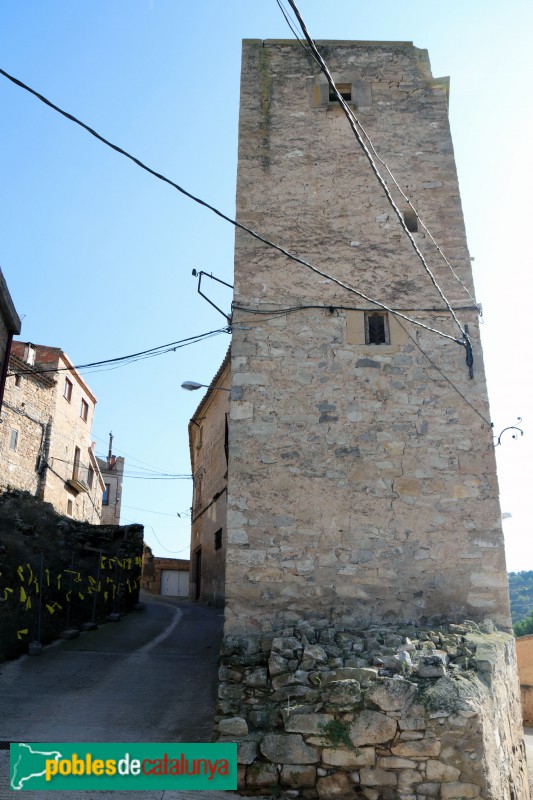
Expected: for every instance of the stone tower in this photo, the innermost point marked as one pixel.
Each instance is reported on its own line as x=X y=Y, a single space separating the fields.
x=365 y=565
x=362 y=481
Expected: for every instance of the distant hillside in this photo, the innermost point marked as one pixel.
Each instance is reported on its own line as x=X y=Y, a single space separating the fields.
x=521 y=592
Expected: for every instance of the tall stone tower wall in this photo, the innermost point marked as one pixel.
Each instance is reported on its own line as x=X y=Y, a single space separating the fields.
x=362 y=481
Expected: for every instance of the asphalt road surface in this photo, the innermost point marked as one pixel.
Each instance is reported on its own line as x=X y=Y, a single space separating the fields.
x=149 y=678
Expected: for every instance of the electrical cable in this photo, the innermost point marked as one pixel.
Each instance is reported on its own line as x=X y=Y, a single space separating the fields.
x=161 y=513
x=233 y=222
x=485 y=420
x=175 y=552
x=132 y=474
x=295 y=33
x=385 y=165
x=134 y=458
x=151 y=353
x=334 y=307
x=373 y=166
x=420 y=220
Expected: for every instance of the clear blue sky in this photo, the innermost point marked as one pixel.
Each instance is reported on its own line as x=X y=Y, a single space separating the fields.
x=98 y=254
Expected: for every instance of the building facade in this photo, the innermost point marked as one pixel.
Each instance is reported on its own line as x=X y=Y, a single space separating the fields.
x=9 y=327
x=165 y=576
x=112 y=471
x=46 y=437
x=208 y=443
x=362 y=476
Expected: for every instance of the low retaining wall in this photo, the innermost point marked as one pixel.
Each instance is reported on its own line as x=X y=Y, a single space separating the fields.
x=381 y=713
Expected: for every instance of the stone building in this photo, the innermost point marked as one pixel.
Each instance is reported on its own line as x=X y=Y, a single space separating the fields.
x=208 y=443
x=45 y=440
x=165 y=576
x=9 y=327
x=365 y=566
x=369 y=439
x=112 y=471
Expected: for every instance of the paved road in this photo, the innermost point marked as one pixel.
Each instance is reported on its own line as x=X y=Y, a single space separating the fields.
x=150 y=677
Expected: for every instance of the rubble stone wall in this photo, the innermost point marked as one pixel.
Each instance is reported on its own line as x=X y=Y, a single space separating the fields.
x=27 y=409
x=382 y=713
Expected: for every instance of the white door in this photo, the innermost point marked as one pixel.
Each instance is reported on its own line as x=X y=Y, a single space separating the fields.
x=174 y=583
x=183 y=583
x=170 y=582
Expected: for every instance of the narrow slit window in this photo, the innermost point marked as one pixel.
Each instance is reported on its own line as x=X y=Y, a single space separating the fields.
x=377 y=328
x=411 y=220
x=13 y=439
x=218 y=539
x=67 y=391
x=84 y=410
x=345 y=91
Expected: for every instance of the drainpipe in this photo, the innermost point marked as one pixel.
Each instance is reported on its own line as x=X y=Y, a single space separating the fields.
x=43 y=460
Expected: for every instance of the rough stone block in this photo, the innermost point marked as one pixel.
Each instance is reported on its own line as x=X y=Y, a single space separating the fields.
x=233 y=726
x=391 y=694
x=423 y=748
x=437 y=771
x=372 y=776
x=459 y=791
x=334 y=786
x=372 y=727
x=261 y=776
x=340 y=757
x=298 y=777
x=288 y=749
x=307 y=723
x=344 y=693
x=432 y=666
x=395 y=762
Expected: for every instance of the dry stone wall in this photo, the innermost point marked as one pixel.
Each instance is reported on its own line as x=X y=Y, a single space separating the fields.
x=383 y=713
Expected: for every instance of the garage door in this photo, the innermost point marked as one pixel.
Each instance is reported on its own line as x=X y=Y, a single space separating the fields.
x=174 y=582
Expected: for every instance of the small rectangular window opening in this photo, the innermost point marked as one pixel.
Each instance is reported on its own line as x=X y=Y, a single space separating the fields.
x=105 y=496
x=76 y=463
x=84 y=410
x=69 y=508
x=345 y=91
x=218 y=539
x=197 y=487
x=377 y=328
x=18 y=380
x=67 y=391
x=411 y=220
x=13 y=439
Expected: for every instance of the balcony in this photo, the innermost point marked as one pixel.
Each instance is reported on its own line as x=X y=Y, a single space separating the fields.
x=82 y=478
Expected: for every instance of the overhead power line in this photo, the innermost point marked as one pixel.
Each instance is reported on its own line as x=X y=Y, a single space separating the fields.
x=235 y=223
x=368 y=154
x=385 y=165
x=133 y=458
x=129 y=359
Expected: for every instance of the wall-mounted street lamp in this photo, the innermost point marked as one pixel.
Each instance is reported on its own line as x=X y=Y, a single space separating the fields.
x=192 y=386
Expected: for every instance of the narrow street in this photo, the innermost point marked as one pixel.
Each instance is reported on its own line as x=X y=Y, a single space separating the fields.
x=150 y=677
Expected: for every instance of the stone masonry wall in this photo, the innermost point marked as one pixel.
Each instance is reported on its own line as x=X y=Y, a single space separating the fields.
x=362 y=479
x=27 y=409
x=209 y=465
x=383 y=713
